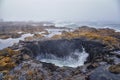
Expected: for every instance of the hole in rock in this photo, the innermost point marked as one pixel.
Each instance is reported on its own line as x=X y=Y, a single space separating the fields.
x=74 y=59
x=63 y=52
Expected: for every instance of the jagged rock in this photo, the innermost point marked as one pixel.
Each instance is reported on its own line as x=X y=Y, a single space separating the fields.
x=1 y=76
x=44 y=71
x=64 y=47
x=49 y=66
x=8 y=59
x=106 y=36
x=98 y=43
x=26 y=57
x=101 y=73
x=115 y=68
x=9 y=35
x=35 y=37
x=93 y=66
x=116 y=53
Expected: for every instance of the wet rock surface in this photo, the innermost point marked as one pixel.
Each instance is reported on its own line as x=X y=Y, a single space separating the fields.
x=9 y=35
x=64 y=47
x=44 y=71
x=102 y=73
x=19 y=62
x=115 y=68
x=105 y=36
x=8 y=59
x=35 y=37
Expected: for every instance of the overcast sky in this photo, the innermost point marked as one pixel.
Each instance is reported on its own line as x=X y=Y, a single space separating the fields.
x=64 y=10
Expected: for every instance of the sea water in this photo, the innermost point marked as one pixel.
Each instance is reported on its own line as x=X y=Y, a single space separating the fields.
x=75 y=59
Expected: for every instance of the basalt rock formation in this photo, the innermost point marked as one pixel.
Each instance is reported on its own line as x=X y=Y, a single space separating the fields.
x=106 y=36
x=102 y=45
x=62 y=48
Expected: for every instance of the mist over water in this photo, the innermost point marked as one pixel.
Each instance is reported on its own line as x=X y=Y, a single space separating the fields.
x=74 y=25
x=60 y=10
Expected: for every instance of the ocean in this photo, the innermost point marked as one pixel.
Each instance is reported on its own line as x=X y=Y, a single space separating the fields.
x=115 y=26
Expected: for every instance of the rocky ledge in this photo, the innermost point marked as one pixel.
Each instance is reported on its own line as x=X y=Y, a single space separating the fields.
x=19 y=62
x=9 y=35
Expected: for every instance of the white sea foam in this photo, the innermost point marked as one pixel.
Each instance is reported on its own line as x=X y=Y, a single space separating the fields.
x=53 y=32
x=74 y=60
x=10 y=41
x=20 y=32
x=90 y=24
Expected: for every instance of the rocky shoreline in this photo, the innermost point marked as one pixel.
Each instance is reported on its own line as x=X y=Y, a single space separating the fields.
x=19 y=62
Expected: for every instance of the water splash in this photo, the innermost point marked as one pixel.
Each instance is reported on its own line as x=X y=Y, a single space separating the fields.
x=75 y=59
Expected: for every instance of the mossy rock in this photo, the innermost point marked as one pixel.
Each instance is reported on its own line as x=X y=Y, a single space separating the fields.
x=8 y=52
x=105 y=36
x=115 y=68
x=8 y=59
x=6 y=64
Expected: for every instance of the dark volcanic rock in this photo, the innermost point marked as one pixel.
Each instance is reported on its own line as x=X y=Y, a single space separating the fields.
x=9 y=35
x=101 y=63
x=49 y=66
x=95 y=50
x=64 y=47
x=60 y=48
x=116 y=53
x=36 y=70
x=115 y=68
x=102 y=73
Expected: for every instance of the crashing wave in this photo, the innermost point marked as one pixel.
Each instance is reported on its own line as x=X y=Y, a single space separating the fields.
x=75 y=59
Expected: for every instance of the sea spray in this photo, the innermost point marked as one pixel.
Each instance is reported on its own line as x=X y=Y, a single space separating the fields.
x=75 y=59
